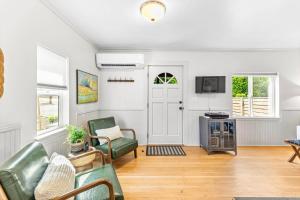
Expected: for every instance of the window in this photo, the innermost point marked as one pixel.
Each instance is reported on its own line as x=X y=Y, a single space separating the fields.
x=255 y=95
x=165 y=78
x=52 y=92
x=47 y=111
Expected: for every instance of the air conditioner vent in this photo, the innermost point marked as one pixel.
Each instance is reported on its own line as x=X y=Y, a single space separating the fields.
x=119 y=60
x=118 y=65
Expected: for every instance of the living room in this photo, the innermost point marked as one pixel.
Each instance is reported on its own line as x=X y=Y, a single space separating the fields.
x=49 y=45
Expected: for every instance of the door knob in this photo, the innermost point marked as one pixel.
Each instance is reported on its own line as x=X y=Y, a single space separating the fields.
x=180 y=102
x=181 y=108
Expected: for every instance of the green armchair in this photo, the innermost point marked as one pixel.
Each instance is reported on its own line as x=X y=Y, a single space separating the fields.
x=20 y=175
x=116 y=148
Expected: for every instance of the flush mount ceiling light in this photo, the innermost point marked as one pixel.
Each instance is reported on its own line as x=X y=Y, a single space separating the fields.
x=153 y=10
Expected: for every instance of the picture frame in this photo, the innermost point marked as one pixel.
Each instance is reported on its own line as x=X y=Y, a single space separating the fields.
x=86 y=87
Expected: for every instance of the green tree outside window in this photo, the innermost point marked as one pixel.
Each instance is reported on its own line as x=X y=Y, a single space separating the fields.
x=239 y=86
x=260 y=86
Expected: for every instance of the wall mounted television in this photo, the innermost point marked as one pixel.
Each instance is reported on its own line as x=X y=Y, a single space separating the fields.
x=210 y=84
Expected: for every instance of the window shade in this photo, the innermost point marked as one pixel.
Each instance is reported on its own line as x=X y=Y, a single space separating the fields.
x=51 y=69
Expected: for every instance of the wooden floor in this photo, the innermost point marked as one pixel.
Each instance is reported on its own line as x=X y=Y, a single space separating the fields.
x=255 y=171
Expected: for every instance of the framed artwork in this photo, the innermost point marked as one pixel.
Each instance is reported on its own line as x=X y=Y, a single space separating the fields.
x=87 y=87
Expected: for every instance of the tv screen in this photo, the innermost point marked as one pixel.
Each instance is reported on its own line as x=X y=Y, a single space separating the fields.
x=210 y=84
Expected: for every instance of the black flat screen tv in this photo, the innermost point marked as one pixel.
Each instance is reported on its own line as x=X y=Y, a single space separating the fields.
x=210 y=84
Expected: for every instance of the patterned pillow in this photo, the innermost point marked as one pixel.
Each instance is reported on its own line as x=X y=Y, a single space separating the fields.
x=58 y=179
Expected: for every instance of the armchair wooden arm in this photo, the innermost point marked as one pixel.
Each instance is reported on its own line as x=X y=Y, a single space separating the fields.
x=130 y=130
x=88 y=187
x=2 y=194
x=97 y=152
x=108 y=143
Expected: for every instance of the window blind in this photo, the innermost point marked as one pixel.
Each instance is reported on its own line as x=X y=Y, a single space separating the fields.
x=51 y=69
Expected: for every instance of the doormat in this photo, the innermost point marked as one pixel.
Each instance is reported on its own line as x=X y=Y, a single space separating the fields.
x=165 y=150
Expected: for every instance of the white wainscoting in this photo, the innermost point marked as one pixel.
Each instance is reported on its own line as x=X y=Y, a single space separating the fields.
x=55 y=142
x=134 y=119
x=268 y=132
x=83 y=117
x=256 y=132
x=10 y=140
x=252 y=132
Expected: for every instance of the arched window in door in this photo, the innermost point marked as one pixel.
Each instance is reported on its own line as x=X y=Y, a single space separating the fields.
x=165 y=78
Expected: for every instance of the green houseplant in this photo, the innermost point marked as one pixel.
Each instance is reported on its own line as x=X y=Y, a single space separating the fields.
x=76 y=136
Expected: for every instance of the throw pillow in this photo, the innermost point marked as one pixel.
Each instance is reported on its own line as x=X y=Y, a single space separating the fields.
x=112 y=133
x=58 y=179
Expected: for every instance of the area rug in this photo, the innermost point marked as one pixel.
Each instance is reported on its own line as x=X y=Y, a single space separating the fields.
x=265 y=198
x=165 y=150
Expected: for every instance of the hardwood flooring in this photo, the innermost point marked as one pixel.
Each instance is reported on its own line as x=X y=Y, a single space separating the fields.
x=255 y=171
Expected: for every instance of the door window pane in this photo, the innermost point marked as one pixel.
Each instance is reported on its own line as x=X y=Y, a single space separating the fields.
x=162 y=76
x=165 y=78
x=173 y=81
x=157 y=80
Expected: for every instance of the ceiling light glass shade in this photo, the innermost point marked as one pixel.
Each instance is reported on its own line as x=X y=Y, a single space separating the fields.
x=153 y=10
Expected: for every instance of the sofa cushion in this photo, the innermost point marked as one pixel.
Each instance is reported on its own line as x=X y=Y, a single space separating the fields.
x=58 y=179
x=100 y=124
x=120 y=147
x=100 y=192
x=21 y=173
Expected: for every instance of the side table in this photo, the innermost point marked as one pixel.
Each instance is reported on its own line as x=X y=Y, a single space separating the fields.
x=295 y=144
x=83 y=160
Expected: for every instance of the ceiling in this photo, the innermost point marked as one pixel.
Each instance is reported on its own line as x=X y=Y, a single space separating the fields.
x=188 y=24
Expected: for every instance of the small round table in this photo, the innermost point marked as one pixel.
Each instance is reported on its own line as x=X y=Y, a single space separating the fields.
x=81 y=162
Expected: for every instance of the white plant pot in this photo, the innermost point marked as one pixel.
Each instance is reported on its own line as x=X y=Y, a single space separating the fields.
x=77 y=147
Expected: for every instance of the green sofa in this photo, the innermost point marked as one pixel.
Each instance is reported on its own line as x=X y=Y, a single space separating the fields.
x=20 y=175
x=115 y=148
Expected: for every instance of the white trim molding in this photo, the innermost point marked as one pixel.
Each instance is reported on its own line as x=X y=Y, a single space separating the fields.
x=8 y=127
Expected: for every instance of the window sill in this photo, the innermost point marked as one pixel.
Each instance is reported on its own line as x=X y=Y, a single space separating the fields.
x=257 y=118
x=49 y=133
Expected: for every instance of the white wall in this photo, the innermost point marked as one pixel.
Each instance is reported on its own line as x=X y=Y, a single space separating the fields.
x=250 y=132
x=24 y=25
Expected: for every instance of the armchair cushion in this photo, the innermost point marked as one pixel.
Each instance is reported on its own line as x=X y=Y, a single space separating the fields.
x=120 y=147
x=100 y=192
x=21 y=173
x=100 y=124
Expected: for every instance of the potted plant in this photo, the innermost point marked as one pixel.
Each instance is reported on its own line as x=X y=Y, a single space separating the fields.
x=76 y=136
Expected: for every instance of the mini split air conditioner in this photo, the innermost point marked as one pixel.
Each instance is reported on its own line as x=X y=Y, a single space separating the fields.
x=119 y=61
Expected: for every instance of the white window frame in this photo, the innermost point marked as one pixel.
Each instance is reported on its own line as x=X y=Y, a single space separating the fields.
x=275 y=94
x=63 y=95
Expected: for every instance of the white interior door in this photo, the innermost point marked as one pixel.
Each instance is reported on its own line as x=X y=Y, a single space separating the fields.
x=165 y=105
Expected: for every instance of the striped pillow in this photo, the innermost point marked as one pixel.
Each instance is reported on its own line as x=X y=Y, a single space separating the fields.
x=58 y=179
